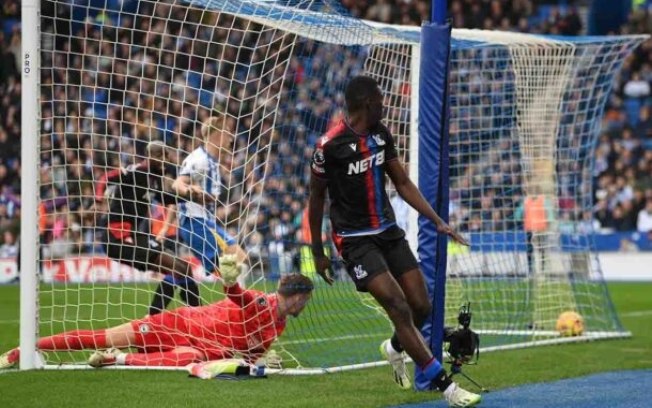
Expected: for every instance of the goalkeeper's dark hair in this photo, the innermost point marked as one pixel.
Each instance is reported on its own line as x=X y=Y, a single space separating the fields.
x=358 y=91
x=295 y=283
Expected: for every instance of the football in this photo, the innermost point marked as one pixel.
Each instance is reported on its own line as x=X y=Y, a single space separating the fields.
x=570 y=324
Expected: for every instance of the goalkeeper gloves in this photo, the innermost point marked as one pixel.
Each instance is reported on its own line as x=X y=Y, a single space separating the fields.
x=231 y=368
x=272 y=360
x=229 y=269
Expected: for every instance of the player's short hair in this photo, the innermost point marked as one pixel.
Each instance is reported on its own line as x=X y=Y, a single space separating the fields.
x=295 y=283
x=358 y=91
x=214 y=123
x=156 y=148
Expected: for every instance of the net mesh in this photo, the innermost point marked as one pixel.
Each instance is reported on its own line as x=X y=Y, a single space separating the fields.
x=523 y=125
x=116 y=76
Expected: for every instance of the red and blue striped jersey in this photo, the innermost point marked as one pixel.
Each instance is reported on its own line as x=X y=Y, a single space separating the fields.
x=354 y=167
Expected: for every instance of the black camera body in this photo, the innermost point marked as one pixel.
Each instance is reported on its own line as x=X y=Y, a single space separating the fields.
x=463 y=343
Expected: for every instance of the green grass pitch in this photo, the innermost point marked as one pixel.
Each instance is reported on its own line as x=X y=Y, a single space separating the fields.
x=361 y=388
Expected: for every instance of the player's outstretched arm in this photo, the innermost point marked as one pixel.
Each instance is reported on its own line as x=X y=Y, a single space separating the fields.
x=170 y=219
x=184 y=188
x=411 y=194
x=315 y=217
x=230 y=271
x=181 y=186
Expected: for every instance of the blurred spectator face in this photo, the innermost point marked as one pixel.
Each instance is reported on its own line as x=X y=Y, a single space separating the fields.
x=156 y=158
x=9 y=238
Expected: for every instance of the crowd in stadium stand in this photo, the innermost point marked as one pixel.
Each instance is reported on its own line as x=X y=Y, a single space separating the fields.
x=150 y=97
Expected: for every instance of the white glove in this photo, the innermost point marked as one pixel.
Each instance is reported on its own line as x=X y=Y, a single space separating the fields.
x=229 y=270
x=273 y=360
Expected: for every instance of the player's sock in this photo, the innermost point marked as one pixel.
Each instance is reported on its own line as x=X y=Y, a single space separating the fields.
x=396 y=345
x=158 y=359
x=74 y=340
x=162 y=296
x=189 y=292
x=434 y=372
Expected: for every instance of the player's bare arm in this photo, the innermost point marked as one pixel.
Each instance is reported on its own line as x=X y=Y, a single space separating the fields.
x=315 y=215
x=411 y=194
x=170 y=219
x=184 y=188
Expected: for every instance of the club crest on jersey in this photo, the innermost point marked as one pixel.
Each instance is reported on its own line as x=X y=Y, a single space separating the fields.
x=318 y=157
x=365 y=164
x=262 y=301
x=359 y=272
x=143 y=328
x=379 y=140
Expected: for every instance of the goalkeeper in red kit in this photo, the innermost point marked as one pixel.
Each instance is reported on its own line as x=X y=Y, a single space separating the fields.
x=246 y=323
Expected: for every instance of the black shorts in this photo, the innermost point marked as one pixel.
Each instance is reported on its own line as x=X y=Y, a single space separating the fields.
x=141 y=252
x=369 y=255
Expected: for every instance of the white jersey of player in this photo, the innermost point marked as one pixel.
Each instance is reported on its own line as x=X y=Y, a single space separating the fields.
x=203 y=170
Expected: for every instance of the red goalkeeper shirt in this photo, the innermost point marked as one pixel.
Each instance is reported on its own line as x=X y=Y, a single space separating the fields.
x=247 y=322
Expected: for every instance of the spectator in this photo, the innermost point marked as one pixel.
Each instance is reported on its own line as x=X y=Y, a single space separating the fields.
x=644 y=221
x=637 y=87
x=9 y=248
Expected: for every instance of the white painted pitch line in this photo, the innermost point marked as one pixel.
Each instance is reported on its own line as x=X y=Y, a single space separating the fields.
x=336 y=338
x=637 y=313
x=10 y=321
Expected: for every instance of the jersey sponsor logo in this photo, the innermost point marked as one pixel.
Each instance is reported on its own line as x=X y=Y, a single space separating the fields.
x=360 y=273
x=379 y=140
x=353 y=146
x=365 y=164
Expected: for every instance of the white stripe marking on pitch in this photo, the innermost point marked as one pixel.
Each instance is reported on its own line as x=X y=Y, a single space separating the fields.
x=637 y=313
x=337 y=338
x=9 y=321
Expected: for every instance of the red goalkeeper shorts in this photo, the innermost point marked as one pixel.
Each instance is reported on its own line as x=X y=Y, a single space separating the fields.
x=161 y=332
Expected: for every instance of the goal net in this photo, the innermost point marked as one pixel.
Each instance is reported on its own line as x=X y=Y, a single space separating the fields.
x=118 y=75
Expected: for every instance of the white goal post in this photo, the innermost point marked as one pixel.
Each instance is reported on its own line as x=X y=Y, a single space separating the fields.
x=525 y=115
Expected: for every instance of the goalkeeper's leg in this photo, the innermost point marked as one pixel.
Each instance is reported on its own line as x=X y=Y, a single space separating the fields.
x=120 y=337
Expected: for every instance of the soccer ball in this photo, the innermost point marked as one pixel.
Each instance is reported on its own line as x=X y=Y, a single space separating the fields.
x=570 y=324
